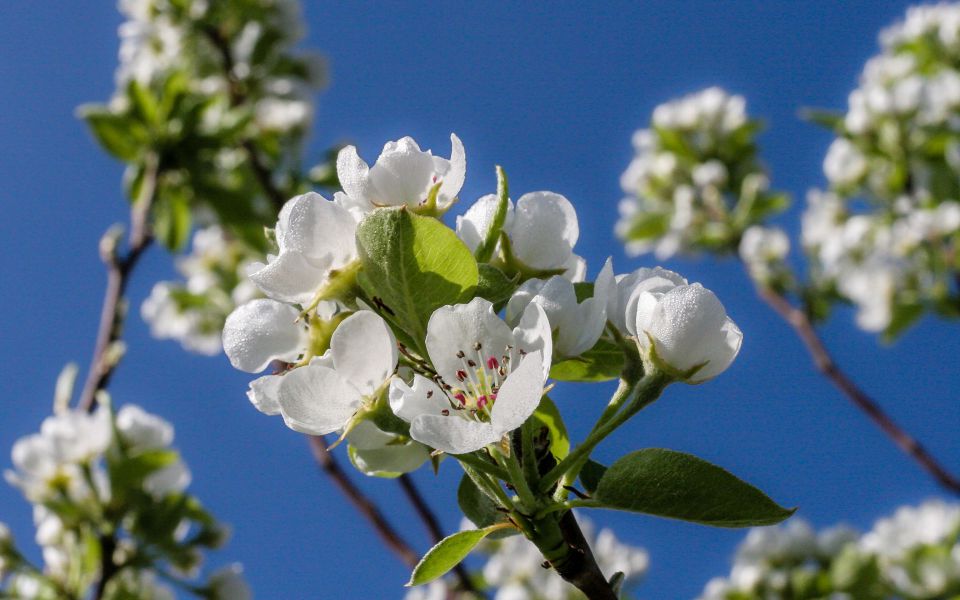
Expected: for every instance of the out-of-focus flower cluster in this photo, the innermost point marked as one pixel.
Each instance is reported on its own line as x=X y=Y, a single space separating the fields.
x=108 y=488
x=514 y=570
x=695 y=183
x=884 y=237
x=215 y=282
x=913 y=555
x=211 y=105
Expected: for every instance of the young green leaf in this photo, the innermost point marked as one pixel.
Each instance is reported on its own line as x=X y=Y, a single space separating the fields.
x=477 y=506
x=485 y=250
x=601 y=363
x=494 y=285
x=681 y=486
x=591 y=474
x=120 y=135
x=413 y=265
x=448 y=553
x=549 y=416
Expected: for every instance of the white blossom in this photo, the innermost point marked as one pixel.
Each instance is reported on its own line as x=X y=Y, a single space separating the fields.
x=577 y=325
x=489 y=378
x=228 y=584
x=542 y=229
x=323 y=396
x=403 y=175
x=689 y=330
x=315 y=237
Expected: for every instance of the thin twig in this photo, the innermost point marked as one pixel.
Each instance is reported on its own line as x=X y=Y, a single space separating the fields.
x=364 y=505
x=432 y=524
x=802 y=325
x=119 y=269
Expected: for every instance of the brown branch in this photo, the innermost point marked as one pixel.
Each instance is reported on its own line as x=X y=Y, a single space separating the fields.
x=432 y=524
x=802 y=325
x=119 y=268
x=108 y=568
x=364 y=505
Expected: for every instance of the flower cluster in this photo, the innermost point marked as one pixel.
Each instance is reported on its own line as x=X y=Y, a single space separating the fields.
x=470 y=376
x=210 y=108
x=215 y=282
x=885 y=236
x=413 y=341
x=695 y=182
x=514 y=571
x=913 y=554
x=110 y=482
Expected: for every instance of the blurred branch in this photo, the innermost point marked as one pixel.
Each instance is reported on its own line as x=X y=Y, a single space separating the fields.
x=432 y=524
x=119 y=268
x=238 y=97
x=804 y=328
x=366 y=507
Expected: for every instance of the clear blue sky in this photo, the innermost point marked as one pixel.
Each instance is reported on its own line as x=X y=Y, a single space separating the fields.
x=553 y=94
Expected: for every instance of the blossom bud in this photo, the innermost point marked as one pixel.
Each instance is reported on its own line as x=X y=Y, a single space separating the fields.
x=686 y=331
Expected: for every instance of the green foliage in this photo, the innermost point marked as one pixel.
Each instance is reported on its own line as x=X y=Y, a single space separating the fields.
x=447 y=554
x=485 y=250
x=591 y=474
x=681 y=486
x=603 y=362
x=494 y=285
x=548 y=415
x=413 y=265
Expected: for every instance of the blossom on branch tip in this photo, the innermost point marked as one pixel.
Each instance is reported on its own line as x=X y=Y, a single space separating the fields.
x=541 y=229
x=262 y=331
x=687 y=330
x=315 y=237
x=489 y=378
x=578 y=325
x=403 y=175
x=323 y=396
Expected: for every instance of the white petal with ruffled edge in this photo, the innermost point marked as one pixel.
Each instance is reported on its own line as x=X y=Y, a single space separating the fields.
x=519 y=396
x=364 y=351
x=424 y=397
x=262 y=331
x=453 y=435
x=545 y=229
x=317 y=400
x=264 y=394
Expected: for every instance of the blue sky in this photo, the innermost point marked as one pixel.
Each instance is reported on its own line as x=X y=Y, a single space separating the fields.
x=553 y=94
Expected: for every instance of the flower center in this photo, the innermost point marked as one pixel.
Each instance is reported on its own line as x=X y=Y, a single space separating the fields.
x=478 y=381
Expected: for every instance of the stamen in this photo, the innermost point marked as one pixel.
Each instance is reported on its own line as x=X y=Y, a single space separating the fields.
x=445 y=412
x=429 y=394
x=460 y=354
x=461 y=375
x=492 y=363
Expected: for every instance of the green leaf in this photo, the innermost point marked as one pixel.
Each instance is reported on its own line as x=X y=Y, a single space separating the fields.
x=549 y=416
x=601 y=363
x=647 y=225
x=477 y=506
x=119 y=135
x=130 y=471
x=172 y=217
x=494 y=285
x=904 y=315
x=591 y=474
x=828 y=119
x=413 y=265
x=681 y=486
x=447 y=554
x=484 y=251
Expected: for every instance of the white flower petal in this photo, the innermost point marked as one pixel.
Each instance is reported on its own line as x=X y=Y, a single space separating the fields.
x=545 y=229
x=264 y=394
x=354 y=175
x=321 y=230
x=453 y=434
x=424 y=398
x=317 y=400
x=403 y=174
x=722 y=349
x=519 y=396
x=457 y=328
x=533 y=336
x=290 y=277
x=261 y=331
x=364 y=351
x=456 y=173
